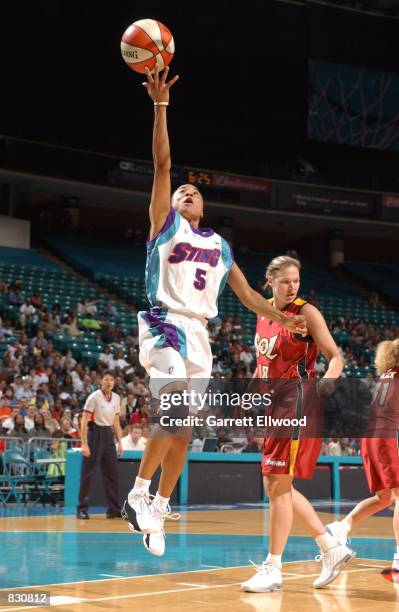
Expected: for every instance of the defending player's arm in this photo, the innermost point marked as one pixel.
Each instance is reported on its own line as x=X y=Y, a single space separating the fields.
x=158 y=90
x=252 y=300
x=321 y=335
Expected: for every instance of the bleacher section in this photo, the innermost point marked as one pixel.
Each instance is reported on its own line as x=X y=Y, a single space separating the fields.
x=37 y=273
x=95 y=259
x=383 y=277
x=127 y=263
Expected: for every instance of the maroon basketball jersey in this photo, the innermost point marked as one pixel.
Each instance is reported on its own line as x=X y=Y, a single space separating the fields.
x=384 y=415
x=279 y=352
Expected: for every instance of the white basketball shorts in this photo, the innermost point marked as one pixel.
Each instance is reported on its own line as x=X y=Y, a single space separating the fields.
x=174 y=348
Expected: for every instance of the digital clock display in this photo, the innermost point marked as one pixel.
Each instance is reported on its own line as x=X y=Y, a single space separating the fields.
x=199 y=178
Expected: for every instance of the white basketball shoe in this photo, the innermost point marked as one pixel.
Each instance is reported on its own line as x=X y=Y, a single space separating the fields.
x=267 y=578
x=155 y=542
x=334 y=560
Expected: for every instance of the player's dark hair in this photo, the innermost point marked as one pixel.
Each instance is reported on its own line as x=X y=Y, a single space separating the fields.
x=107 y=373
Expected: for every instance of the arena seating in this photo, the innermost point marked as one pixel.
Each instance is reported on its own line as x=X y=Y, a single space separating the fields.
x=95 y=259
x=37 y=273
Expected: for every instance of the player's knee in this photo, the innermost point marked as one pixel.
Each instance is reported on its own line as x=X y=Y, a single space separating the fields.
x=385 y=497
x=174 y=408
x=277 y=485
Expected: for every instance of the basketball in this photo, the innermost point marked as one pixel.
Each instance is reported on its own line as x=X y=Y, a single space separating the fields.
x=146 y=42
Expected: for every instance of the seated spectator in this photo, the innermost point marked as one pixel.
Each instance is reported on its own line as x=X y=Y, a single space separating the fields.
x=70 y=327
x=5 y=332
x=50 y=422
x=19 y=430
x=55 y=315
x=137 y=388
x=66 y=430
x=134 y=440
x=39 y=429
x=8 y=423
x=26 y=313
x=223 y=438
x=40 y=376
x=36 y=299
x=81 y=307
x=120 y=363
x=140 y=411
x=340 y=447
x=66 y=387
x=5 y=410
x=43 y=395
x=29 y=418
x=128 y=406
x=15 y=296
x=111 y=311
x=91 y=308
x=45 y=324
x=10 y=395
x=106 y=358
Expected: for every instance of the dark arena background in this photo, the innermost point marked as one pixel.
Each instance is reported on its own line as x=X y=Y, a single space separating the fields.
x=286 y=118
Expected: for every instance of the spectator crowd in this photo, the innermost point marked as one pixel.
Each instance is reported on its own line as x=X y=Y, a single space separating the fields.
x=43 y=389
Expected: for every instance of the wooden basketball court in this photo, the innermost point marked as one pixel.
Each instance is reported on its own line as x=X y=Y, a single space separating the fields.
x=201 y=569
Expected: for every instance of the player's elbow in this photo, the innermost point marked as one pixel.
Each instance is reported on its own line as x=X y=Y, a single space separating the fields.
x=162 y=166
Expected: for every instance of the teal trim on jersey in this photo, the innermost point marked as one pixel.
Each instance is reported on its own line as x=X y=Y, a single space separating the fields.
x=152 y=267
x=228 y=261
x=223 y=283
x=227 y=256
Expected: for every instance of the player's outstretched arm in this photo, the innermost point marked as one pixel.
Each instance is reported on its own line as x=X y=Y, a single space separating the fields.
x=325 y=342
x=158 y=90
x=254 y=301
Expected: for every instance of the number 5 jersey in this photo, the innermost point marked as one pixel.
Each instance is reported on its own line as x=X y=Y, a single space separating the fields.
x=186 y=269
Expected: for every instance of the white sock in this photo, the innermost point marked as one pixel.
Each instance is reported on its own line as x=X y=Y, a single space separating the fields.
x=326 y=541
x=345 y=526
x=275 y=559
x=141 y=485
x=161 y=502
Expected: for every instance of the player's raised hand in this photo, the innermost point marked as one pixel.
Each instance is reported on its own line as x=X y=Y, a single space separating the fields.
x=296 y=325
x=157 y=88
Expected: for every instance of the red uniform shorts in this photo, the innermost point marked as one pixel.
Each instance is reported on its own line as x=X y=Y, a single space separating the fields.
x=381 y=463
x=295 y=457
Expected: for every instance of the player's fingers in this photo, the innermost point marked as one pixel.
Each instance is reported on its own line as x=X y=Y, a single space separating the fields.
x=149 y=75
x=147 y=86
x=165 y=74
x=156 y=74
x=172 y=81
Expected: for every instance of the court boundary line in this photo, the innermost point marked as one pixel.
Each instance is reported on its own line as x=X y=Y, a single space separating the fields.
x=152 y=593
x=40 y=586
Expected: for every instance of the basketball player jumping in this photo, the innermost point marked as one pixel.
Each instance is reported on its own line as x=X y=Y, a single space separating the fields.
x=186 y=270
x=380 y=449
x=281 y=354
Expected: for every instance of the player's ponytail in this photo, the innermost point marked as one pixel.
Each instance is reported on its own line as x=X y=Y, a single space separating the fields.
x=387 y=355
x=277 y=264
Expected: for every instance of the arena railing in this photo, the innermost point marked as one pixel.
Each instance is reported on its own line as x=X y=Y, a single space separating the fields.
x=335 y=465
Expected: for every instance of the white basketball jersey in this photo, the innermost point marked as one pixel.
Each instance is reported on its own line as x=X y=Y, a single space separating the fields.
x=186 y=268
